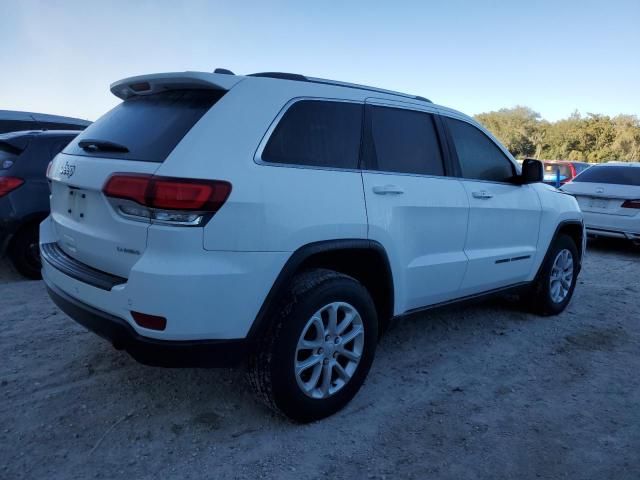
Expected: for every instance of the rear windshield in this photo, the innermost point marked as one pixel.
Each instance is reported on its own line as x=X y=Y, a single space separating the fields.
x=552 y=169
x=618 y=175
x=148 y=126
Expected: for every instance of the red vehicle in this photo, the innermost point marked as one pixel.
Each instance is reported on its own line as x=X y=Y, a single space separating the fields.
x=559 y=172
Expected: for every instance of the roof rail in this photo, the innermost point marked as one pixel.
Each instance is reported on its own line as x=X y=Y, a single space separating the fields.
x=301 y=78
x=281 y=75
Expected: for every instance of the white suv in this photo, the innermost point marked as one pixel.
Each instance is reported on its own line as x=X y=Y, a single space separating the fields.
x=212 y=218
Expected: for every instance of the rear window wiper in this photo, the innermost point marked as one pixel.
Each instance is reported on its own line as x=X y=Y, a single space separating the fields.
x=91 y=145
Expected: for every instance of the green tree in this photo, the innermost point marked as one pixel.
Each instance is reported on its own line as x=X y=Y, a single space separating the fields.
x=593 y=137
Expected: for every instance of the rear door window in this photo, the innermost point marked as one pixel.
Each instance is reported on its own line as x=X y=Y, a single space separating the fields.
x=317 y=133
x=614 y=174
x=479 y=157
x=402 y=141
x=148 y=126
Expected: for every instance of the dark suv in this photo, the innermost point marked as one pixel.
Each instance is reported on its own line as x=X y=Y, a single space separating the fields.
x=13 y=121
x=24 y=192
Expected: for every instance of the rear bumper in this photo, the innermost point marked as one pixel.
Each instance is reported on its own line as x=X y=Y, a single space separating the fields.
x=615 y=226
x=150 y=351
x=600 y=232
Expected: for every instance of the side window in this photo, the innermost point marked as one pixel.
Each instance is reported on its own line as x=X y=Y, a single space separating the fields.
x=479 y=157
x=317 y=133
x=403 y=141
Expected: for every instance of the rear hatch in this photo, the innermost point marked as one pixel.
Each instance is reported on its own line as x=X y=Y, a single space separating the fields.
x=607 y=189
x=133 y=138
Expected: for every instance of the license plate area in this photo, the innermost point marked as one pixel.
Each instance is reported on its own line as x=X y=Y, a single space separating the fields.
x=599 y=203
x=77 y=203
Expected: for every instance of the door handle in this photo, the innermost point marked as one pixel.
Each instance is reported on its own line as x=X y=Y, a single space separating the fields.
x=387 y=190
x=482 y=194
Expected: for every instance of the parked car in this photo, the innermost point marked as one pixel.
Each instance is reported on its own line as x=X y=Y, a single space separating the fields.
x=609 y=196
x=557 y=172
x=24 y=193
x=12 y=121
x=212 y=218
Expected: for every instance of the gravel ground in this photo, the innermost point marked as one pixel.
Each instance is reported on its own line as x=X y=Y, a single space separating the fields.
x=479 y=391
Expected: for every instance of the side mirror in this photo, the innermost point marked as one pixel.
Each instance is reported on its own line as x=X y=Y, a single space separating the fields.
x=532 y=171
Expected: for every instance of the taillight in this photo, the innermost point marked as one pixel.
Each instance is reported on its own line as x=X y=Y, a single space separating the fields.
x=129 y=187
x=49 y=169
x=169 y=200
x=631 y=204
x=153 y=322
x=9 y=184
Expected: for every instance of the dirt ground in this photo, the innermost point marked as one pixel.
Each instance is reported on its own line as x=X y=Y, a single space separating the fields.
x=479 y=391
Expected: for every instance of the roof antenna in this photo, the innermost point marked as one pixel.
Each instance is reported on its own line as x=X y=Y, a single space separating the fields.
x=223 y=71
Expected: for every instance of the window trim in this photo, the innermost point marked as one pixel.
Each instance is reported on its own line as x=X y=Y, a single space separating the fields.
x=454 y=152
x=445 y=151
x=257 y=157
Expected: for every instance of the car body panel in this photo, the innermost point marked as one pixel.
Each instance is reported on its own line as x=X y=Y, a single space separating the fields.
x=211 y=281
x=29 y=203
x=602 y=206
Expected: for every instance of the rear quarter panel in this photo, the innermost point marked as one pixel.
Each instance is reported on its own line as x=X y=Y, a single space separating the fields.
x=271 y=207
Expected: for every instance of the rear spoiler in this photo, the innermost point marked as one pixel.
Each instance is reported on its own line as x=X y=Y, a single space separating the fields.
x=161 y=82
x=16 y=144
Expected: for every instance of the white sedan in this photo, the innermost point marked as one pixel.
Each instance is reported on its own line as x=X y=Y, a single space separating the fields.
x=609 y=197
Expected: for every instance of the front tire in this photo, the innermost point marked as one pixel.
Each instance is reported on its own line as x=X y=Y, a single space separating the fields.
x=319 y=348
x=554 y=285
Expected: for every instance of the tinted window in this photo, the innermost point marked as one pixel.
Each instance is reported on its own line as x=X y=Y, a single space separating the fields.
x=317 y=133
x=60 y=126
x=149 y=126
x=480 y=158
x=403 y=141
x=616 y=174
x=17 y=125
x=553 y=168
x=55 y=146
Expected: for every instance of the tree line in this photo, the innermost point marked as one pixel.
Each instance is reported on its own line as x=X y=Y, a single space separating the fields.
x=588 y=138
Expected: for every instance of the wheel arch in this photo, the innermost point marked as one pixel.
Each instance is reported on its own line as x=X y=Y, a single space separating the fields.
x=26 y=222
x=575 y=230
x=365 y=260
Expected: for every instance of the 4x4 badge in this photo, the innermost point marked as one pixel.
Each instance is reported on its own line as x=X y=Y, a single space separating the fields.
x=67 y=170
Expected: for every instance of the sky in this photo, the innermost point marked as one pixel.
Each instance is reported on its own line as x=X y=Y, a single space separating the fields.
x=556 y=57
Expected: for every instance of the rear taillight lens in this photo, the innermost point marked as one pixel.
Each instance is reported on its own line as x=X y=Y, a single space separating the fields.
x=9 y=184
x=152 y=322
x=48 y=174
x=129 y=187
x=631 y=204
x=168 y=200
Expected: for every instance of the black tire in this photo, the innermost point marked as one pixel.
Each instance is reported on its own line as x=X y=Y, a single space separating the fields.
x=539 y=297
x=271 y=366
x=24 y=252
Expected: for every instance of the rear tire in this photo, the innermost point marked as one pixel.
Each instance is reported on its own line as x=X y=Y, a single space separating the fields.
x=554 y=285
x=288 y=370
x=24 y=252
